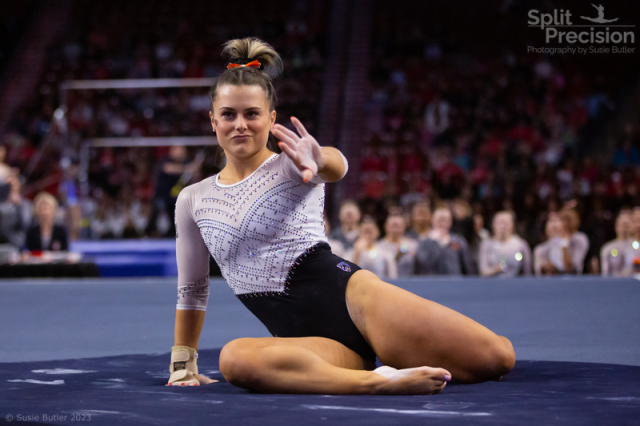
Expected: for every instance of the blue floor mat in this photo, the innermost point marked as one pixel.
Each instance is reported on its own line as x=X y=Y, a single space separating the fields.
x=130 y=390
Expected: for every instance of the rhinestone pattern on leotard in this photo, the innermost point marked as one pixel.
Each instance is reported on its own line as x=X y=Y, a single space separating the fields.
x=256 y=229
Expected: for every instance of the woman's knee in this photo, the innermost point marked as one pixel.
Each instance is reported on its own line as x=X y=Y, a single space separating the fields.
x=238 y=362
x=500 y=359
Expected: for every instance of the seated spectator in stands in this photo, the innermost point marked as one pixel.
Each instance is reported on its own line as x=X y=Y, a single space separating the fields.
x=635 y=218
x=506 y=254
x=560 y=254
x=369 y=255
x=45 y=234
x=420 y=220
x=5 y=170
x=12 y=224
x=631 y=252
x=337 y=247
x=612 y=259
x=349 y=217
x=579 y=240
x=403 y=247
x=443 y=253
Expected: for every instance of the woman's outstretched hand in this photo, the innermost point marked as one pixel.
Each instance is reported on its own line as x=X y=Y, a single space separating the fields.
x=302 y=149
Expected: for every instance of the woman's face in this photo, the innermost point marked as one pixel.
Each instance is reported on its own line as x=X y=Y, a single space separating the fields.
x=442 y=220
x=369 y=231
x=421 y=214
x=45 y=211
x=553 y=228
x=242 y=120
x=502 y=225
x=349 y=215
x=623 y=225
x=395 y=226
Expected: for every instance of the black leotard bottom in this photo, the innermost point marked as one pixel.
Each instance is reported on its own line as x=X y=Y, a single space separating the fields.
x=314 y=303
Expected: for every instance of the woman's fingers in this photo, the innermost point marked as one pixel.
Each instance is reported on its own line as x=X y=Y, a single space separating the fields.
x=301 y=129
x=284 y=137
x=289 y=133
x=290 y=152
x=307 y=175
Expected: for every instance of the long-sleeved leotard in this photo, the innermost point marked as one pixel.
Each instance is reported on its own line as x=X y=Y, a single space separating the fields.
x=266 y=233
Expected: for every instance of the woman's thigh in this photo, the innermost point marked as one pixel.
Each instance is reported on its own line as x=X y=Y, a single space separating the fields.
x=329 y=350
x=406 y=330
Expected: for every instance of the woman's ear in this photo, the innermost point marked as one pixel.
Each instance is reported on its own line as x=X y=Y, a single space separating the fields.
x=213 y=122
x=273 y=118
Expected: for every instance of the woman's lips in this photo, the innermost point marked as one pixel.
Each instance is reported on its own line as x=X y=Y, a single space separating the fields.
x=240 y=137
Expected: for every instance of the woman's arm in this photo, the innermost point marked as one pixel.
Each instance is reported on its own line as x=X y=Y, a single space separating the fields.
x=327 y=163
x=192 y=257
x=334 y=165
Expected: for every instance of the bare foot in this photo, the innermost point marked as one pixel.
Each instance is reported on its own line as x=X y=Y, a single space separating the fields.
x=204 y=380
x=190 y=379
x=412 y=381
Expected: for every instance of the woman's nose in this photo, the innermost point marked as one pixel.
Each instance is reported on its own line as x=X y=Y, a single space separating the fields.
x=241 y=124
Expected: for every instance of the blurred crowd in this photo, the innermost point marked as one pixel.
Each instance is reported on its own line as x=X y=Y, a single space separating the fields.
x=447 y=239
x=129 y=193
x=454 y=119
x=459 y=136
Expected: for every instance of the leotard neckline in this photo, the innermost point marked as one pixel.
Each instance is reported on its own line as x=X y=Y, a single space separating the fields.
x=238 y=183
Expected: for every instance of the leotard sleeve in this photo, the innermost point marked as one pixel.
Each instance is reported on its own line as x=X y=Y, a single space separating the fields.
x=192 y=256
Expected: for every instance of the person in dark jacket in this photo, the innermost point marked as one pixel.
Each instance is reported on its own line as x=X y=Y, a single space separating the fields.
x=45 y=234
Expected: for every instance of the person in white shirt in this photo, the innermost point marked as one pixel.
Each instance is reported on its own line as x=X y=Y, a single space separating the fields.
x=420 y=221
x=403 y=247
x=612 y=259
x=369 y=254
x=347 y=232
x=506 y=254
x=565 y=249
x=261 y=219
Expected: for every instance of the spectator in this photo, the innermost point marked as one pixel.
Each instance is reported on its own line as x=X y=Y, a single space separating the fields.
x=506 y=254
x=337 y=247
x=443 y=253
x=349 y=217
x=402 y=246
x=612 y=253
x=560 y=254
x=420 y=220
x=578 y=240
x=369 y=255
x=635 y=218
x=12 y=225
x=46 y=235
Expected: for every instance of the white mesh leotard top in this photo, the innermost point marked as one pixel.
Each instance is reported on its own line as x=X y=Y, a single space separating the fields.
x=255 y=229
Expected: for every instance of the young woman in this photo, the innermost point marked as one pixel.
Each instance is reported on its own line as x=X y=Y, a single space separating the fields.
x=506 y=254
x=261 y=219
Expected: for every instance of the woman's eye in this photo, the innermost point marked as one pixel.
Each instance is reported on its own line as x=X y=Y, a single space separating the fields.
x=227 y=114
x=253 y=114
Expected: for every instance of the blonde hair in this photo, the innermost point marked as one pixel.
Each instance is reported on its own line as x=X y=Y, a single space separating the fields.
x=252 y=48
x=44 y=197
x=243 y=51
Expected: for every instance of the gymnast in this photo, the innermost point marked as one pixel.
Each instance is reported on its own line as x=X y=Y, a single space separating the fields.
x=261 y=218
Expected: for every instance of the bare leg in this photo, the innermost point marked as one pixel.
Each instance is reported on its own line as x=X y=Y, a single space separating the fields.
x=406 y=331
x=316 y=365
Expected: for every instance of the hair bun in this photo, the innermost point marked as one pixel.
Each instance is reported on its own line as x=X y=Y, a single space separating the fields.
x=252 y=48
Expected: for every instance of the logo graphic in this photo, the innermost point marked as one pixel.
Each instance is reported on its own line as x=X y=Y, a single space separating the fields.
x=600 y=19
x=344 y=266
x=597 y=36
